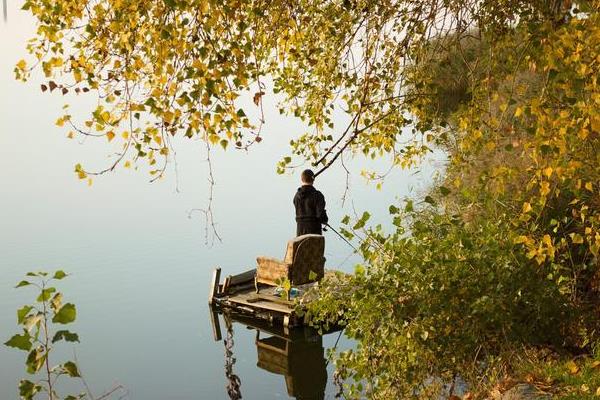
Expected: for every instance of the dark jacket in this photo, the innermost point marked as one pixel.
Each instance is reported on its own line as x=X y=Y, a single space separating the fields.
x=310 y=210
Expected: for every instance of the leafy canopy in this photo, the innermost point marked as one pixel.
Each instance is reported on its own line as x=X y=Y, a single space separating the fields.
x=161 y=68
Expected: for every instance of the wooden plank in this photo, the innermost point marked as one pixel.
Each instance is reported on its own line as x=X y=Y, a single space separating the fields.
x=214 y=285
x=270 y=297
x=242 y=298
x=269 y=347
x=241 y=288
x=242 y=278
x=226 y=285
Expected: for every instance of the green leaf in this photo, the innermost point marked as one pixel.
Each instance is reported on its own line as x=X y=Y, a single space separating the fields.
x=59 y=275
x=65 y=315
x=312 y=276
x=393 y=209
x=22 y=342
x=22 y=283
x=345 y=220
x=429 y=200
x=46 y=294
x=444 y=191
x=28 y=389
x=78 y=397
x=287 y=285
x=22 y=313
x=359 y=224
x=409 y=206
x=66 y=335
x=71 y=369
x=348 y=235
x=39 y=273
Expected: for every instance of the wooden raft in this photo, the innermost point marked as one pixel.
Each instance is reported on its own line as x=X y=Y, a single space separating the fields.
x=238 y=292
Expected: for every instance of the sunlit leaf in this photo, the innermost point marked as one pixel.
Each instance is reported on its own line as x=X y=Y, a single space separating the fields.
x=65 y=315
x=22 y=342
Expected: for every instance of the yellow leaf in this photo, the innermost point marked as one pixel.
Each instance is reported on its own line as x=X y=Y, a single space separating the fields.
x=589 y=186
x=518 y=112
x=540 y=258
x=127 y=164
x=576 y=238
x=585 y=388
x=110 y=135
x=70 y=135
x=520 y=239
x=547 y=240
x=60 y=122
x=204 y=6
x=544 y=188
x=595 y=123
x=572 y=367
x=548 y=171
x=22 y=64
x=526 y=208
x=168 y=117
x=77 y=75
x=90 y=181
x=81 y=174
x=214 y=139
x=125 y=135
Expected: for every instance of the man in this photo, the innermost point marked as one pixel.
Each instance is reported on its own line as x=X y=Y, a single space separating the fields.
x=310 y=206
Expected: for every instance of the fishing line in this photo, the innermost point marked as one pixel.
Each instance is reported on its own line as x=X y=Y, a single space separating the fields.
x=341 y=237
x=335 y=345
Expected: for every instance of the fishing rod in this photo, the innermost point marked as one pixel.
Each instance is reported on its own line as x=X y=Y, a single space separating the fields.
x=343 y=238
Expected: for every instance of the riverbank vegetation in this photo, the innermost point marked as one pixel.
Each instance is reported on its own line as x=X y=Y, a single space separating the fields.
x=499 y=258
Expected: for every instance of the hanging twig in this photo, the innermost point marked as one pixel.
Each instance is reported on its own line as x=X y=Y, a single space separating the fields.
x=209 y=221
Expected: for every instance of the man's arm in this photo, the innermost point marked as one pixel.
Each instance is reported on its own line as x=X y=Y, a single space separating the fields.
x=321 y=213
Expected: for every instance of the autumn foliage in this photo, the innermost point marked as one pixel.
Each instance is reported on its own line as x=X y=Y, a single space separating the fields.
x=503 y=250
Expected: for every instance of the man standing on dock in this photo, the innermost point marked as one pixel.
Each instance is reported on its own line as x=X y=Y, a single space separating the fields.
x=310 y=206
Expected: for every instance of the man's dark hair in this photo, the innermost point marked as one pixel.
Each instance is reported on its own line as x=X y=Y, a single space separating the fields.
x=307 y=176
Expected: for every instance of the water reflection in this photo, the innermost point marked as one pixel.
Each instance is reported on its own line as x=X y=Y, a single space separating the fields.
x=297 y=355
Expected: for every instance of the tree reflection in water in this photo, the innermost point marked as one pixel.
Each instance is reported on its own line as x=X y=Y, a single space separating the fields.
x=298 y=355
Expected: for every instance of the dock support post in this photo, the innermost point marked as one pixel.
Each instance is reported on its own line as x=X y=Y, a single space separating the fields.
x=214 y=286
x=216 y=327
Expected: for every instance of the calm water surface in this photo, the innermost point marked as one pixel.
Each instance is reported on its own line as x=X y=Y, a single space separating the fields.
x=140 y=267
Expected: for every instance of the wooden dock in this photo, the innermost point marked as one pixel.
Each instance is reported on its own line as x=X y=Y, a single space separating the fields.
x=238 y=292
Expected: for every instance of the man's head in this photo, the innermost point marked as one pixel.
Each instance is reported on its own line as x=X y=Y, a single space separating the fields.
x=307 y=177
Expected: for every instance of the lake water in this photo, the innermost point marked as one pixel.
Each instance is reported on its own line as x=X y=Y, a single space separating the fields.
x=140 y=267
